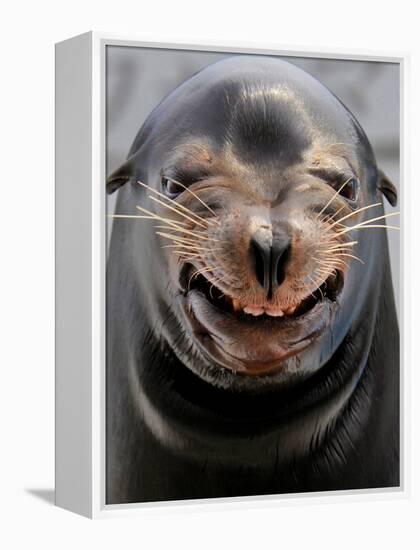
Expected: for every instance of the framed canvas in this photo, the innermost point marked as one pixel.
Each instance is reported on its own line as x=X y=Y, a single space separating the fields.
x=229 y=281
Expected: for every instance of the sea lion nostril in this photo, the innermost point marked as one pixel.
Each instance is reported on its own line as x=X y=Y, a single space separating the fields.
x=279 y=267
x=260 y=253
x=269 y=260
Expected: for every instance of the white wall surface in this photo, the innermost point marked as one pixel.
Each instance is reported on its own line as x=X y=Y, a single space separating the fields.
x=28 y=32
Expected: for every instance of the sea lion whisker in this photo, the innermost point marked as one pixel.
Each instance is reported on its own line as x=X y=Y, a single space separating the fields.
x=176 y=206
x=327 y=221
x=357 y=211
x=346 y=243
x=203 y=270
x=181 y=240
x=153 y=216
x=187 y=250
x=197 y=273
x=183 y=251
x=186 y=247
x=314 y=283
x=180 y=212
x=330 y=218
x=367 y=222
x=328 y=269
x=200 y=236
x=187 y=256
x=169 y=225
x=351 y=256
x=189 y=247
x=332 y=263
x=211 y=290
x=325 y=263
x=333 y=197
x=335 y=253
x=213 y=285
x=176 y=238
x=382 y=216
x=357 y=228
x=194 y=275
x=197 y=234
x=169 y=228
x=324 y=273
x=330 y=251
x=182 y=248
x=312 y=280
x=327 y=259
x=343 y=246
x=323 y=277
x=198 y=198
x=135 y=216
x=181 y=258
x=332 y=258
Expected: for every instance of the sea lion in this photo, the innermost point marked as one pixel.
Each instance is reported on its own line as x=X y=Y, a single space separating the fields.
x=252 y=340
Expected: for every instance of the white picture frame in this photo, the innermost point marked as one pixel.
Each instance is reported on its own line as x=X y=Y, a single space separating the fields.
x=80 y=272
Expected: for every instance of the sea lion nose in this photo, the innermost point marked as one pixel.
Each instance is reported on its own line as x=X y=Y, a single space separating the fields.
x=269 y=256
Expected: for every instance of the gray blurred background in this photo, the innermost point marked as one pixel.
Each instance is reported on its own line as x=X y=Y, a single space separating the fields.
x=138 y=78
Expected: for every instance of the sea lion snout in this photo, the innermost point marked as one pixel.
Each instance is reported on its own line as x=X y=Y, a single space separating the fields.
x=269 y=254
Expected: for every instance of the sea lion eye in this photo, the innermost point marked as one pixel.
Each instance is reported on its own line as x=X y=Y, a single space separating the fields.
x=349 y=189
x=171 y=187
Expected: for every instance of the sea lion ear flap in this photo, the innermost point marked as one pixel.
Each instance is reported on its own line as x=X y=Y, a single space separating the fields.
x=120 y=176
x=387 y=188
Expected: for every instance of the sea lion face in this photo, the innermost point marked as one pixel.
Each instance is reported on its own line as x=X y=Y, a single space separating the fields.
x=255 y=176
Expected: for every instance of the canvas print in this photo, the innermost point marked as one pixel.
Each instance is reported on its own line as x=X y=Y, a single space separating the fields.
x=252 y=343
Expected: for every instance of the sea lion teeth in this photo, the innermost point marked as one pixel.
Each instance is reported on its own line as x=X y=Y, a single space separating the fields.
x=275 y=312
x=254 y=310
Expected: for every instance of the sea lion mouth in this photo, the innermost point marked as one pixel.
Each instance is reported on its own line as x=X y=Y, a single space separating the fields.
x=253 y=339
x=329 y=289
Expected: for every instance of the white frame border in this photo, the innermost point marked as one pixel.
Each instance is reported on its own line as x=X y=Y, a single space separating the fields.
x=99 y=509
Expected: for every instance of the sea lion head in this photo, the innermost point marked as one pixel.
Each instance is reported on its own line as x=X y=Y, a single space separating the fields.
x=254 y=179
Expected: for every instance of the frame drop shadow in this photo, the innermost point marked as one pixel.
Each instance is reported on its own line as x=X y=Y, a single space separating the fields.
x=47 y=495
